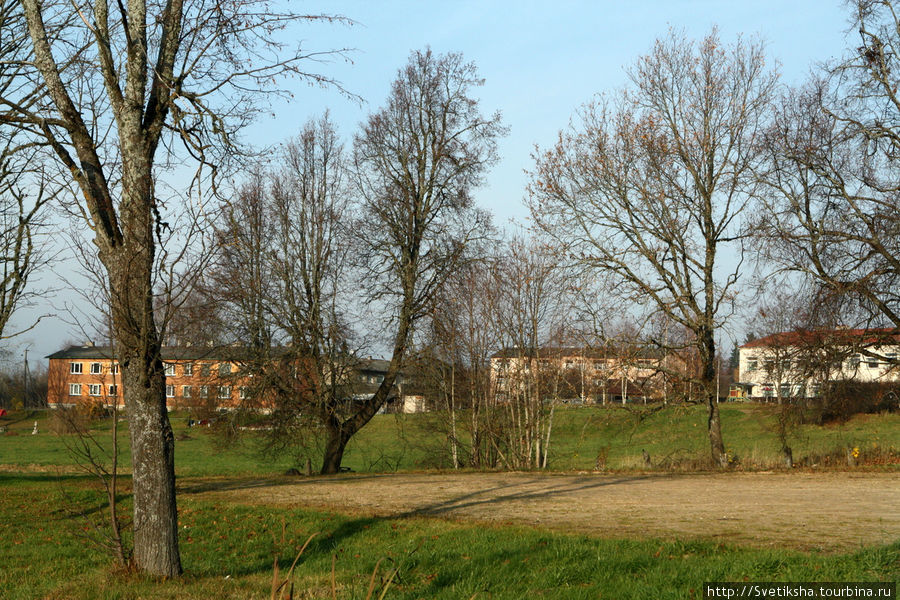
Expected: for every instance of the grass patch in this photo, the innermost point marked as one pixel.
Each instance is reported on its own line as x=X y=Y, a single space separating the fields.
x=674 y=437
x=228 y=552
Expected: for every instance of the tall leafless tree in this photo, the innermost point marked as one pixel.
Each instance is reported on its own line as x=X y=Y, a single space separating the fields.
x=21 y=253
x=532 y=300
x=282 y=281
x=417 y=160
x=650 y=187
x=108 y=90
x=832 y=192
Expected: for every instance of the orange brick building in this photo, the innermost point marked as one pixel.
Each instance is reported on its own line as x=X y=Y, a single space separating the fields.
x=81 y=375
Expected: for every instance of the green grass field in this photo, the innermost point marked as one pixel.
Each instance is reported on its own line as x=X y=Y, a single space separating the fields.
x=228 y=552
x=228 y=548
x=674 y=436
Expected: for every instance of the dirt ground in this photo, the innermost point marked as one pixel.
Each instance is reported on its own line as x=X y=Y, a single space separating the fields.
x=834 y=511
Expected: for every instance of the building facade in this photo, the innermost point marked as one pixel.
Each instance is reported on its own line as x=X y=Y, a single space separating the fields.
x=797 y=364
x=89 y=375
x=195 y=377
x=586 y=375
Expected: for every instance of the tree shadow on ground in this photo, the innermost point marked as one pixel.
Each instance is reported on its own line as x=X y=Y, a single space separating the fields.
x=190 y=485
x=486 y=496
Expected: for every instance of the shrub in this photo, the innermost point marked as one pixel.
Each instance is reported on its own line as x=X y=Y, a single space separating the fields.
x=841 y=400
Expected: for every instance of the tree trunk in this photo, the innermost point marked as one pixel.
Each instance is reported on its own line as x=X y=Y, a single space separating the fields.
x=334 y=451
x=454 y=452
x=713 y=424
x=714 y=427
x=153 y=464
x=130 y=265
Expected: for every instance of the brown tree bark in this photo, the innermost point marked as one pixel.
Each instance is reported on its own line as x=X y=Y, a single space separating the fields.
x=103 y=91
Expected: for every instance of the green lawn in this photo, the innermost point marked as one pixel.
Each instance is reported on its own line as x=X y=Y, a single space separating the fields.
x=674 y=437
x=228 y=552
x=228 y=549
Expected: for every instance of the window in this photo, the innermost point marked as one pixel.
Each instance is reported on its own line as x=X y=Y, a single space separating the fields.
x=204 y=391
x=784 y=390
x=170 y=391
x=74 y=389
x=186 y=391
x=752 y=364
x=96 y=368
x=188 y=369
x=245 y=393
x=95 y=389
x=769 y=365
x=204 y=370
x=75 y=368
x=113 y=390
x=114 y=369
x=853 y=361
x=872 y=361
x=170 y=369
x=224 y=391
x=224 y=369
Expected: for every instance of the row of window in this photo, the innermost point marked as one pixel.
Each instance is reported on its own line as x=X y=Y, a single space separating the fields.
x=851 y=363
x=94 y=389
x=788 y=390
x=222 y=391
x=96 y=368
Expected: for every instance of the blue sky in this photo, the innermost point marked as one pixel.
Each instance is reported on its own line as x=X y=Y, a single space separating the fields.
x=540 y=60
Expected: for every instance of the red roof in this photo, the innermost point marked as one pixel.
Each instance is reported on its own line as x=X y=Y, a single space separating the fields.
x=808 y=337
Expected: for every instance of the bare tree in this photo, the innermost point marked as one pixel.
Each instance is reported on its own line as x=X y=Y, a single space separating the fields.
x=18 y=208
x=530 y=311
x=496 y=327
x=416 y=162
x=463 y=338
x=20 y=255
x=833 y=199
x=241 y=279
x=650 y=187
x=108 y=92
x=282 y=282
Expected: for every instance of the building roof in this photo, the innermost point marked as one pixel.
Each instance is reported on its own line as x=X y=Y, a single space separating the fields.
x=821 y=337
x=577 y=352
x=373 y=365
x=167 y=352
x=87 y=352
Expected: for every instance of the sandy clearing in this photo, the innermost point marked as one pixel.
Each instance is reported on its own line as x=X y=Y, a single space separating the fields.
x=832 y=511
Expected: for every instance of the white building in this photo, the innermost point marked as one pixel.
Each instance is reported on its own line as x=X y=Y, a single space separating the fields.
x=796 y=364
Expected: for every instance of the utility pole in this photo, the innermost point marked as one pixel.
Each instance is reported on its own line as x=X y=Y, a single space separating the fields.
x=718 y=374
